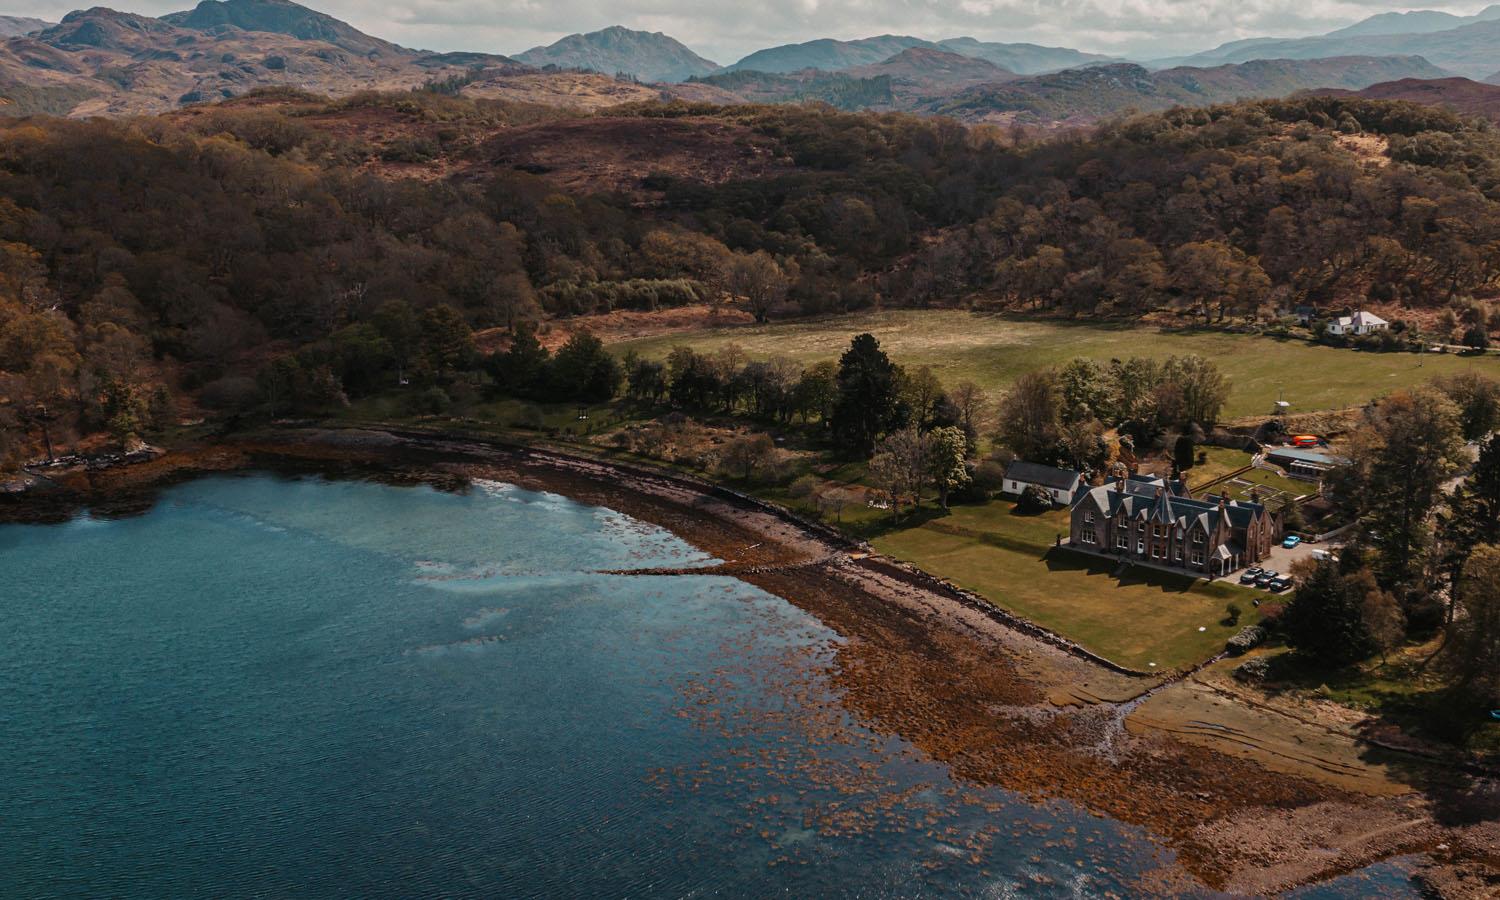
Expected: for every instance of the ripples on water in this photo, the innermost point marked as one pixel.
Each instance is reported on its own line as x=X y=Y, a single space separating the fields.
x=272 y=686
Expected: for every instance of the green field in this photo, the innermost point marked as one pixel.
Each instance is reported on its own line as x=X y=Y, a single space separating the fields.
x=992 y=350
x=1220 y=462
x=1145 y=616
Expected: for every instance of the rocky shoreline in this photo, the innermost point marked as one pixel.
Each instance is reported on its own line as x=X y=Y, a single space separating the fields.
x=998 y=702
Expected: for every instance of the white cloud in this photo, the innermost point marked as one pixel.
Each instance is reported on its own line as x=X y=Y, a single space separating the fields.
x=727 y=31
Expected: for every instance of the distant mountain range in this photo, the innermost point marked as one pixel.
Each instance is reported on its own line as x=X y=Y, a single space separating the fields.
x=649 y=57
x=1467 y=45
x=834 y=56
x=102 y=62
x=1424 y=21
x=11 y=26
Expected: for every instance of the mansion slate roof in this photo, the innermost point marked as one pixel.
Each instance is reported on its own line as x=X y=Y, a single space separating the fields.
x=1171 y=510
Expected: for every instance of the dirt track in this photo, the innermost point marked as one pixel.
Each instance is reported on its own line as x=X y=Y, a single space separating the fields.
x=1246 y=807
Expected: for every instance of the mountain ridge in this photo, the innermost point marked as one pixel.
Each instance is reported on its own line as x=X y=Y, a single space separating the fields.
x=831 y=55
x=1079 y=96
x=1467 y=50
x=1417 y=21
x=649 y=56
x=280 y=17
x=15 y=26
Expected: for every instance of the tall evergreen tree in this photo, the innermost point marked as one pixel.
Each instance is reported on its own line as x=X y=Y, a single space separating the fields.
x=1325 y=621
x=522 y=370
x=869 y=402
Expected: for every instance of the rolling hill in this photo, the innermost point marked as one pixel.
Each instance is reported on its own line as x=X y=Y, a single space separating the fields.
x=645 y=55
x=1470 y=98
x=1024 y=59
x=827 y=54
x=837 y=56
x=102 y=62
x=1079 y=96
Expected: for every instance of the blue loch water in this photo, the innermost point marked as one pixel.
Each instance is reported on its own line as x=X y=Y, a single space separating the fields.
x=272 y=686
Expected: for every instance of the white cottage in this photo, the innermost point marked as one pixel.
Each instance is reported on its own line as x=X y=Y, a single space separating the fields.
x=1360 y=323
x=1062 y=485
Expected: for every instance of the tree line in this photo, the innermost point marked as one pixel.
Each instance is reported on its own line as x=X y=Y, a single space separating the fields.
x=177 y=254
x=1424 y=558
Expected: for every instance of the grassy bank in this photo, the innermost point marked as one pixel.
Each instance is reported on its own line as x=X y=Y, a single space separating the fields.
x=1142 y=617
x=993 y=350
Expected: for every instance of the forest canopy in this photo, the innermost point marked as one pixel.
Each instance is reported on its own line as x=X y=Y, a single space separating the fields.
x=183 y=253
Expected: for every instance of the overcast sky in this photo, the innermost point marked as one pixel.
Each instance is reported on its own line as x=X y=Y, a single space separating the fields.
x=725 y=32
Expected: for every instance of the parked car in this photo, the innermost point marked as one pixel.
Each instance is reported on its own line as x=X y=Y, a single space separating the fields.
x=1280 y=584
x=1321 y=555
x=1250 y=574
x=1291 y=541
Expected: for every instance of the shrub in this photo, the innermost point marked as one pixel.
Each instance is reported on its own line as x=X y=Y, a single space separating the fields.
x=1232 y=614
x=432 y=401
x=232 y=393
x=803 y=486
x=1252 y=670
x=989 y=477
x=1246 y=639
x=1034 y=500
x=527 y=416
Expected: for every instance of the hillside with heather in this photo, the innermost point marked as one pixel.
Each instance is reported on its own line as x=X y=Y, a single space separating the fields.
x=1469 y=98
x=1081 y=96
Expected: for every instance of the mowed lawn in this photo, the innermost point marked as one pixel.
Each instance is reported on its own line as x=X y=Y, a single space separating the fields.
x=992 y=350
x=1145 y=616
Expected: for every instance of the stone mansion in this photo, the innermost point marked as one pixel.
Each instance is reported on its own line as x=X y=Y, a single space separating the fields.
x=1153 y=520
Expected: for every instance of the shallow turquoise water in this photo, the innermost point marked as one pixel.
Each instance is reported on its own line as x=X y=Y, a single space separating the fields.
x=270 y=686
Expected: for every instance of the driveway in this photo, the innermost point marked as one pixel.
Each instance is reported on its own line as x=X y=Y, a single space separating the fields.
x=1281 y=559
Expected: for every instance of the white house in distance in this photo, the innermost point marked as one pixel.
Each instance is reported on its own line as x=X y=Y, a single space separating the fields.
x=1360 y=323
x=1062 y=485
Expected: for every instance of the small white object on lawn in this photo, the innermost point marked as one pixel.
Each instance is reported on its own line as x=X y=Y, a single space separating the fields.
x=1201 y=628
x=1152 y=665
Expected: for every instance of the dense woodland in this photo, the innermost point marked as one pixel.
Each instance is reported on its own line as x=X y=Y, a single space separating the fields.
x=253 y=255
x=259 y=264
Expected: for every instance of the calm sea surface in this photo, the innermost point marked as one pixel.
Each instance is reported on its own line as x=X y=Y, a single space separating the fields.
x=300 y=687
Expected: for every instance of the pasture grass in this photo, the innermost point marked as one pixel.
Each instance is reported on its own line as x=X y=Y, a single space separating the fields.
x=1143 y=616
x=993 y=349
